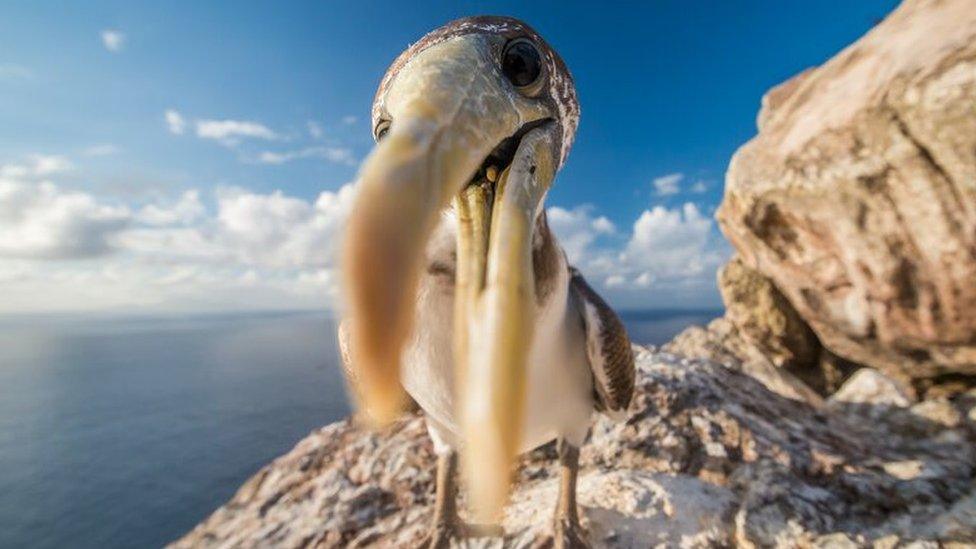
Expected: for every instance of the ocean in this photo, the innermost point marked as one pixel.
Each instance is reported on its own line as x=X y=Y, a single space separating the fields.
x=127 y=431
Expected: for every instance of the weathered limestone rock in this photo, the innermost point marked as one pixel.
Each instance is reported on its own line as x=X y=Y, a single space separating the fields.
x=708 y=457
x=858 y=196
x=722 y=342
x=938 y=411
x=765 y=318
x=869 y=386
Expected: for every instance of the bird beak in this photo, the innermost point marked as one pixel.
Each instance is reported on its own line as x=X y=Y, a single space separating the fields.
x=494 y=304
x=450 y=110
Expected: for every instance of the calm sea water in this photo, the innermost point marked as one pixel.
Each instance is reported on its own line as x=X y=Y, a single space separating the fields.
x=126 y=432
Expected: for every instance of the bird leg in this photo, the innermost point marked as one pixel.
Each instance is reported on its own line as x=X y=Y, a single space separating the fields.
x=567 y=532
x=445 y=524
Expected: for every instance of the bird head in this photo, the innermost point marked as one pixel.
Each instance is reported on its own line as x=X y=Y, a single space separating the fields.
x=476 y=117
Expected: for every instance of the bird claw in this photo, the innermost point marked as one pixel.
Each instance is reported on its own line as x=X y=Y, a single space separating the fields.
x=439 y=537
x=441 y=534
x=566 y=534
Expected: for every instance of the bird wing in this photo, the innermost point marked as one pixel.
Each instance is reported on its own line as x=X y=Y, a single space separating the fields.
x=607 y=348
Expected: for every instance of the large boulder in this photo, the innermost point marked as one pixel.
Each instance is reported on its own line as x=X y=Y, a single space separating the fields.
x=858 y=196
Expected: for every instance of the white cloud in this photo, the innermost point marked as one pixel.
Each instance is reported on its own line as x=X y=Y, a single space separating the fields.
x=603 y=225
x=40 y=220
x=577 y=229
x=118 y=283
x=254 y=251
x=614 y=281
x=668 y=257
x=275 y=230
x=699 y=187
x=314 y=129
x=37 y=165
x=186 y=210
x=349 y=120
x=274 y=233
x=62 y=249
x=338 y=155
x=113 y=40
x=230 y=132
x=175 y=122
x=669 y=242
x=668 y=184
x=12 y=71
x=104 y=149
x=644 y=280
x=49 y=164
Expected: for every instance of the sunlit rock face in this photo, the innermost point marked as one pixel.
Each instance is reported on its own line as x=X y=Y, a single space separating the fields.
x=858 y=196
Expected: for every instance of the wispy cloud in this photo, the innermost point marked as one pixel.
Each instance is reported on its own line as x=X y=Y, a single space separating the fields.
x=338 y=155
x=699 y=187
x=103 y=149
x=578 y=228
x=175 y=122
x=12 y=71
x=113 y=40
x=314 y=129
x=187 y=210
x=667 y=185
x=349 y=120
x=36 y=166
x=230 y=132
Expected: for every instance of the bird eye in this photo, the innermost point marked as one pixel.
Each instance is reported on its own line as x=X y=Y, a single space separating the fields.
x=522 y=63
x=382 y=128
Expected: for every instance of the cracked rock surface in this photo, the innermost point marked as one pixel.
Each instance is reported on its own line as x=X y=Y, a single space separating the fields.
x=708 y=456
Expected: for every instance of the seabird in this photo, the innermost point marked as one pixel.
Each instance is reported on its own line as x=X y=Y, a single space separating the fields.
x=457 y=292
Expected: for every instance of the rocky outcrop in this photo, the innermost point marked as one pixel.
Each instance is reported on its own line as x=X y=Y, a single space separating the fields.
x=765 y=318
x=722 y=342
x=707 y=457
x=858 y=196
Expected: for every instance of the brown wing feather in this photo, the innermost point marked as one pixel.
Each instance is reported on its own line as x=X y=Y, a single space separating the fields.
x=607 y=346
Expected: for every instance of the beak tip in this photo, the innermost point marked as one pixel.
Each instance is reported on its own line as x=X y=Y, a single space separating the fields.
x=382 y=399
x=488 y=469
x=378 y=412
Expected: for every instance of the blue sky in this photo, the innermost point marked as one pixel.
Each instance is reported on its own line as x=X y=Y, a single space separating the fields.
x=108 y=204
